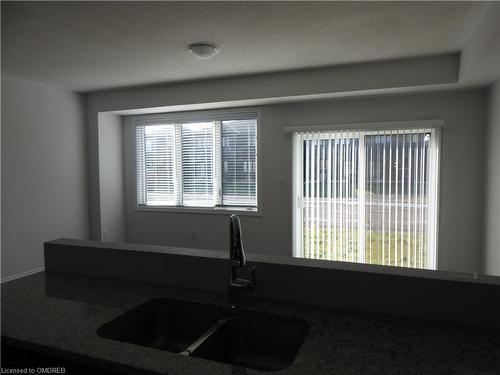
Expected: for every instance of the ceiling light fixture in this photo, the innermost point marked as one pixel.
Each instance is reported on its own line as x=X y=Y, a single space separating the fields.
x=203 y=51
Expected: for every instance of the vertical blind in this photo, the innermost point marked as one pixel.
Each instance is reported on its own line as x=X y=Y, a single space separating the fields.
x=197 y=164
x=367 y=196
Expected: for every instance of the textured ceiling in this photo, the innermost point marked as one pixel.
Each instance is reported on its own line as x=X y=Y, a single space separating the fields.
x=86 y=46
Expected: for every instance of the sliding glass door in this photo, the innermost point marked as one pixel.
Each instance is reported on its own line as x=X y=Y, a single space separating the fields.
x=367 y=196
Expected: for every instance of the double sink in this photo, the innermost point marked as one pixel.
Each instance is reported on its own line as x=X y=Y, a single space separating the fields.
x=243 y=338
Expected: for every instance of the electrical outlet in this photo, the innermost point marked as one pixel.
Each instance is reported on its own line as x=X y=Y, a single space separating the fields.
x=282 y=182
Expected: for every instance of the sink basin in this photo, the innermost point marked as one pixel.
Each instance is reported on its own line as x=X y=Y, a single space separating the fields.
x=162 y=324
x=248 y=339
x=263 y=343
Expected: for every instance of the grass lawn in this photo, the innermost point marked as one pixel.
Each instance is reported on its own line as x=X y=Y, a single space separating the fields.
x=385 y=248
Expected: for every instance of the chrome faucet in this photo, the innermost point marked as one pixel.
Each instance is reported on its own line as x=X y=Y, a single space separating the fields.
x=237 y=261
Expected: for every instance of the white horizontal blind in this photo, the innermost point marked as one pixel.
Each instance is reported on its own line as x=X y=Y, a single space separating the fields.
x=239 y=162
x=197 y=164
x=156 y=164
x=366 y=197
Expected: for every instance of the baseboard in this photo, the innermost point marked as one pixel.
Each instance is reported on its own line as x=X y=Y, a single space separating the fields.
x=22 y=274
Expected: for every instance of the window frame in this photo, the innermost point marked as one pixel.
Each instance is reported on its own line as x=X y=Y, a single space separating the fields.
x=435 y=126
x=199 y=116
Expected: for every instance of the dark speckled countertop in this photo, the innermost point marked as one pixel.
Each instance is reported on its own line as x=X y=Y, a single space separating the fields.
x=60 y=313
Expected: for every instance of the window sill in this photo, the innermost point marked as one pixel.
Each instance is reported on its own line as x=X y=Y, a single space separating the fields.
x=242 y=211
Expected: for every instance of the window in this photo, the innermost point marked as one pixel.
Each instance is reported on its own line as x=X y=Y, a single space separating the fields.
x=204 y=162
x=367 y=196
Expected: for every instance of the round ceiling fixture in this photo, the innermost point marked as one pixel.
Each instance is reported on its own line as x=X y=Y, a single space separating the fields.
x=203 y=51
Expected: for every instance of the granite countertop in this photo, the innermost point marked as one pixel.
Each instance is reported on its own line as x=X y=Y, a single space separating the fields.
x=60 y=313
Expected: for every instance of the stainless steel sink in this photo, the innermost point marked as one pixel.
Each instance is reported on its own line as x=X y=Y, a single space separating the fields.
x=248 y=339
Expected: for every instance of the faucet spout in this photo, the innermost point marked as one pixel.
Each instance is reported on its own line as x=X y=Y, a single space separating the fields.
x=237 y=253
x=237 y=261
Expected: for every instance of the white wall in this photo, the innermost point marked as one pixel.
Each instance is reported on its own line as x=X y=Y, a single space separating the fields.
x=111 y=177
x=461 y=181
x=44 y=172
x=480 y=57
x=492 y=199
x=345 y=80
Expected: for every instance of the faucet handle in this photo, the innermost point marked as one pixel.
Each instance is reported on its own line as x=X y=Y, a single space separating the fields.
x=246 y=284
